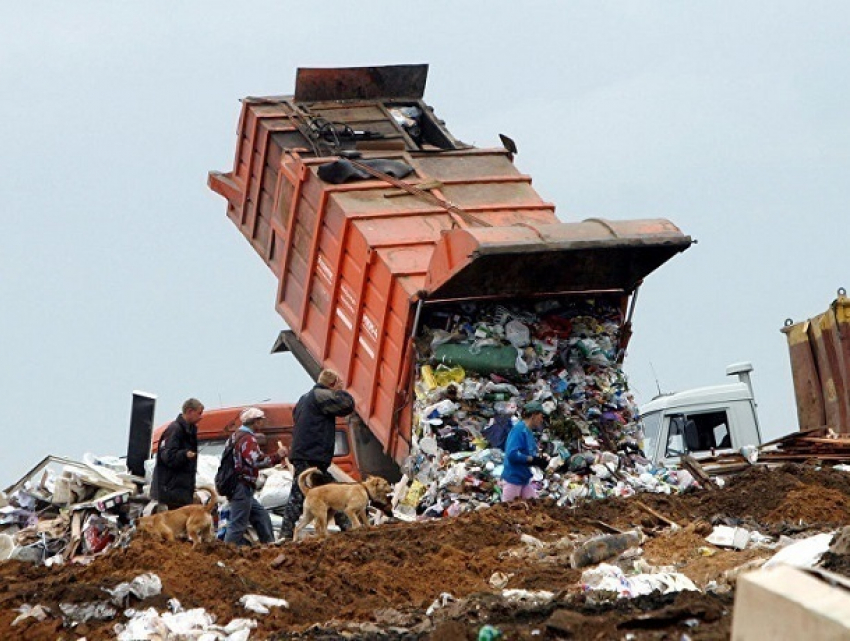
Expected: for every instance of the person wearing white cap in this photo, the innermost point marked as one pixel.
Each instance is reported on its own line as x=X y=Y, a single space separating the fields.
x=248 y=460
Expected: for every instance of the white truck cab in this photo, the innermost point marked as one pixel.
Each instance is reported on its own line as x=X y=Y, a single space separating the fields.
x=703 y=421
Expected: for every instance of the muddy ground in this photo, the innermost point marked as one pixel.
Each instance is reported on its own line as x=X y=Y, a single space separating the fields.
x=378 y=584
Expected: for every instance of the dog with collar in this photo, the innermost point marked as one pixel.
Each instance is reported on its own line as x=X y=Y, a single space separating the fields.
x=321 y=501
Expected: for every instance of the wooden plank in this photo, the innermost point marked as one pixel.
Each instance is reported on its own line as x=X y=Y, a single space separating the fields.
x=657 y=515
x=693 y=466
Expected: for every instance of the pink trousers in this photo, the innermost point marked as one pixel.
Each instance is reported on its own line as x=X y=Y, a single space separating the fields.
x=511 y=491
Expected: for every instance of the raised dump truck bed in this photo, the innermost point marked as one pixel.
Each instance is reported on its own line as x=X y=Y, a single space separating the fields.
x=356 y=258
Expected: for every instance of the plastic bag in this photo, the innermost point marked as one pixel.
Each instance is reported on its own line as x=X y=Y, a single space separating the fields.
x=444 y=376
x=517 y=334
x=276 y=490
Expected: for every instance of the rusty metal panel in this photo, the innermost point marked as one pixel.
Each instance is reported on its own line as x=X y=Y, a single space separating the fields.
x=804 y=371
x=820 y=330
x=360 y=83
x=819 y=349
x=591 y=256
x=837 y=397
x=841 y=307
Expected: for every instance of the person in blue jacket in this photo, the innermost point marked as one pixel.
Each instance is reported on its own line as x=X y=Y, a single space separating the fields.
x=521 y=454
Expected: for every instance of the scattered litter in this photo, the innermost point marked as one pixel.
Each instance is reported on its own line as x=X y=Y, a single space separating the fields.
x=804 y=553
x=489 y=633
x=82 y=612
x=532 y=541
x=604 y=547
x=498 y=580
x=37 y=612
x=440 y=602
x=261 y=604
x=729 y=537
x=610 y=578
x=528 y=596
x=142 y=587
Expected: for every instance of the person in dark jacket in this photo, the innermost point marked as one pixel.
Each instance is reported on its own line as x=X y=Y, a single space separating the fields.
x=248 y=460
x=173 y=482
x=313 y=440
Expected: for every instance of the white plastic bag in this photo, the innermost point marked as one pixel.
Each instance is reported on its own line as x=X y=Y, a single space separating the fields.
x=517 y=333
x=805 y=553
x=276 y=490
x=261 y=604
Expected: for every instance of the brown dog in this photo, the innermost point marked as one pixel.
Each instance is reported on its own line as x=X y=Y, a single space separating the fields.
x=350 y=498
x=194 y=522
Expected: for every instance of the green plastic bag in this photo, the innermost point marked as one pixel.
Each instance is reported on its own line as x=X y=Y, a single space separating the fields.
x=488 y=359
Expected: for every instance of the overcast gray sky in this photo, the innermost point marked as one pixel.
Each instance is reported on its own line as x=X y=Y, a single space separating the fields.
x=120 y=270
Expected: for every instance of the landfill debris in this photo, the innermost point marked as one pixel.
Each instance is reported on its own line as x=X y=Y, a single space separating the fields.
x=76 y=613
x=499 y=580
x=729 y=537
x=600 y=548
x=528 y=596
x=479 y=363
x=820 y=445
x=27 y=611
x=181 y=624
x=804 y=553
x=386 y=578
x=261 y=604
x=64 y=510
x=67 y=511
x=142 y=587
x=610 y=578
x=440 y=602
x=489 y=633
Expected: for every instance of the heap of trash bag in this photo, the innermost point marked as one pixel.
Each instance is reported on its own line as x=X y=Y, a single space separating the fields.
x=64 y=510
x=478 y=364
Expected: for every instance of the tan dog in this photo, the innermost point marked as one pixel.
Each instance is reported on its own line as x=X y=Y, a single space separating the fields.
x=194 y=522
x=350 y=498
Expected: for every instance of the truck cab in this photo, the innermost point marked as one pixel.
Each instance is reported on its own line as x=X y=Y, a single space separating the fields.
x=702 y=422
x=216 y=426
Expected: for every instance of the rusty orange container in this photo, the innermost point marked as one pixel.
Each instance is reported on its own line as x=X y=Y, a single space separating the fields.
x=355 y=260
x=819 y=349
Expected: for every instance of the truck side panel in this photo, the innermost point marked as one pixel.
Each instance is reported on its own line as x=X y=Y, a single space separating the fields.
x=354 y=259
x=819 y=349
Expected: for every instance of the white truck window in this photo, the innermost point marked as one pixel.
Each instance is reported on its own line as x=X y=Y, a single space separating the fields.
x=676 y=445
x=651 y=428
x=698 y=432
x=712 y=430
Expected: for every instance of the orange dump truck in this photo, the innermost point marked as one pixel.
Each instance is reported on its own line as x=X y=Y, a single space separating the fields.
x=820 y=365
x=218 y=424
x=372 y=215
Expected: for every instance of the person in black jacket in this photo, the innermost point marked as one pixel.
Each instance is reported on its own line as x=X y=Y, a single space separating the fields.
x=313 y=440
x=173 y=482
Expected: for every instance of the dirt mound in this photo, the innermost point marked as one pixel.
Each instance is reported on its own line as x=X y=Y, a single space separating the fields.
x=812 y=504
x=373 y=581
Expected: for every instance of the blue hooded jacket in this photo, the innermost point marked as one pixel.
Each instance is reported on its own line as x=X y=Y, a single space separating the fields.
x=520 y=445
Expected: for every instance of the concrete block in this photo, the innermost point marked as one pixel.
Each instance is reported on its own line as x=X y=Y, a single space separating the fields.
x=788 y=603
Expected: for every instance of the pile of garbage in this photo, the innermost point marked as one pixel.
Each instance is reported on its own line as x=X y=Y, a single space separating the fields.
x=67 y=511
x=649 y=566
x=479 y=363
x=64 y=510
